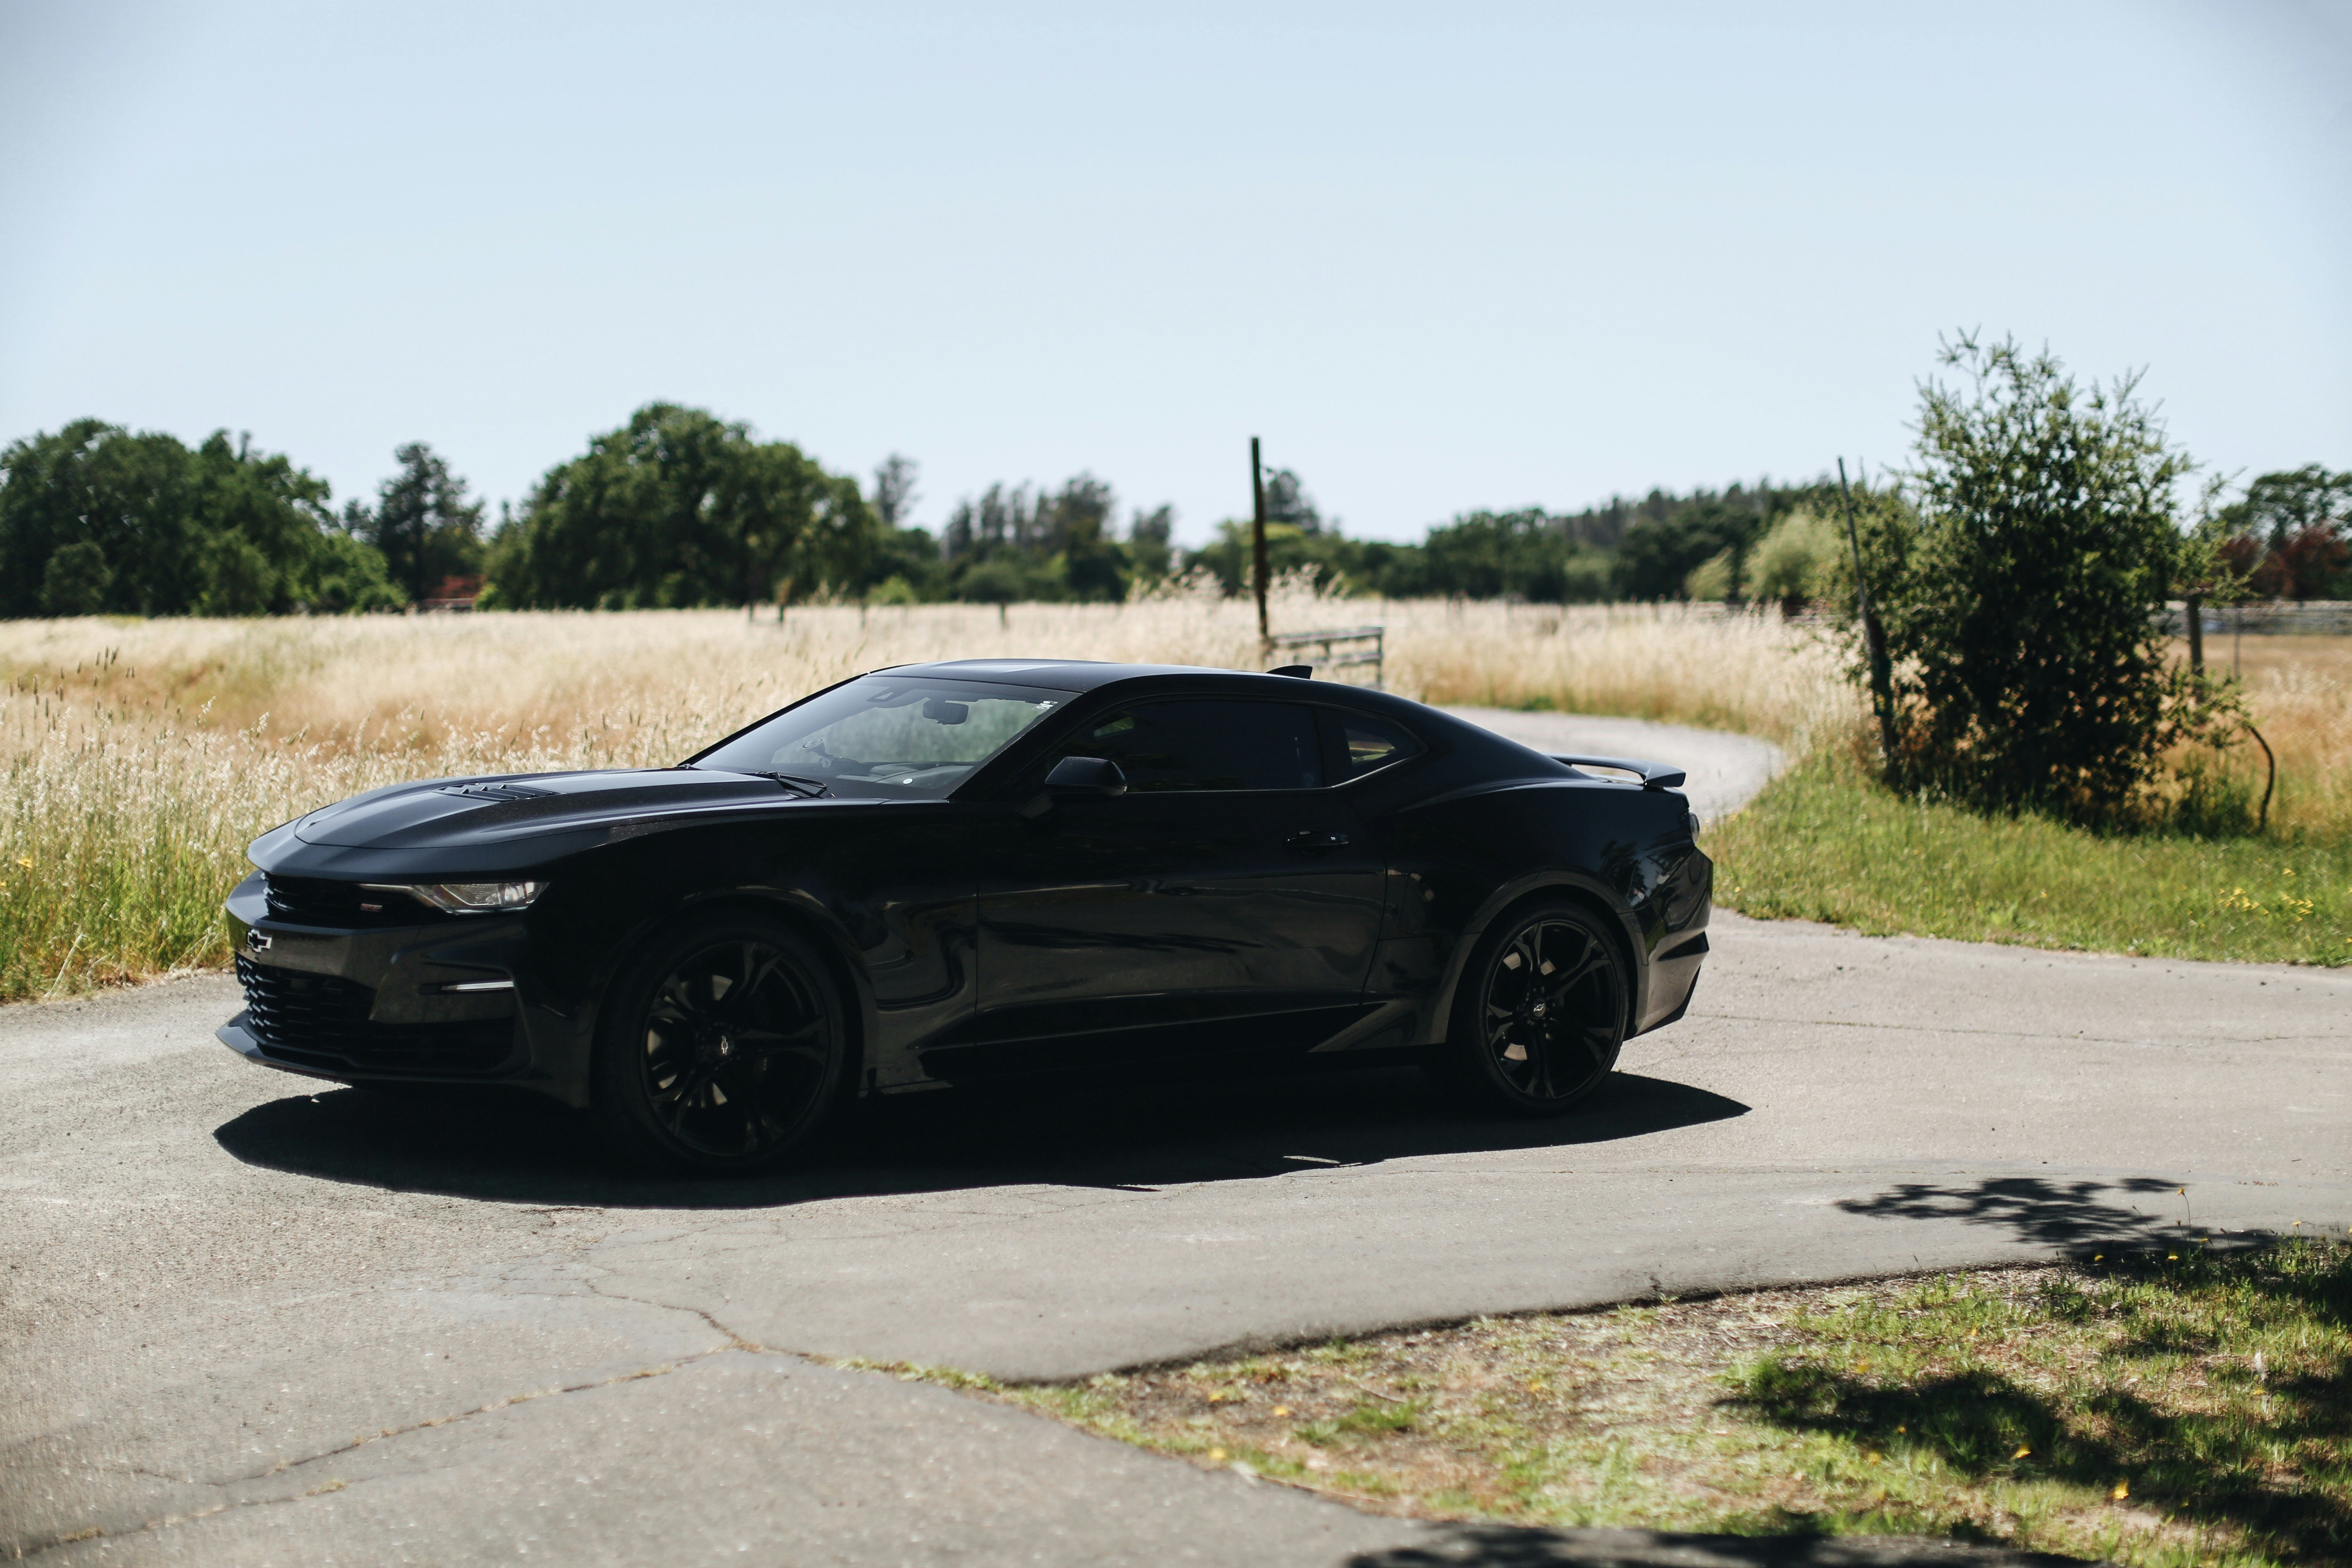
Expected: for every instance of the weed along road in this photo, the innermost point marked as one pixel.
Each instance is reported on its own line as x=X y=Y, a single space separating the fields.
x=245 y=1323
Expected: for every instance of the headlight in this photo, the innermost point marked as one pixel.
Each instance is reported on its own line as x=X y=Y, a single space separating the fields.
x=466 y=898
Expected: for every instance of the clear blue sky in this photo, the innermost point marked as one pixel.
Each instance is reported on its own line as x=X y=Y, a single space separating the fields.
x=1439 y=256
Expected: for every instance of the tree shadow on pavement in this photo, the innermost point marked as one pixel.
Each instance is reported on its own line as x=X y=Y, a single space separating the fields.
x=506 y=1145
x=1508 y=1546
x=2076 y=1215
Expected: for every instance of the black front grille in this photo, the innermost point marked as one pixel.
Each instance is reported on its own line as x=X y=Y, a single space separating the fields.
x=344 y=906
x=322 y=1021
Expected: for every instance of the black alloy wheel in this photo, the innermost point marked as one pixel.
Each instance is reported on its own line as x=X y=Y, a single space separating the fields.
x=1541 y=1014
x=723 y=1049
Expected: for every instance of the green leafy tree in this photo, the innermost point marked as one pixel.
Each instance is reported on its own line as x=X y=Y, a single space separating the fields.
x=1795 y=560
x=1009 y=543
x=2029 y=668
x=145 y=526
x=75 y=581
x=1524 y=554
x=130 y=498
x=1286 y=501
x=422 y=523
x=1150 y=542
x=1660 y=550
x=680 y=508
x=894 y=490
x=2291 y=535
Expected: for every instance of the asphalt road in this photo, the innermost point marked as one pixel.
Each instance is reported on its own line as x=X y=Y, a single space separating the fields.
x=243 y=1323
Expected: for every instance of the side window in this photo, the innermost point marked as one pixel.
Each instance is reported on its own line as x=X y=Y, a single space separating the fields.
x=1205 y=745
x=1356 y=744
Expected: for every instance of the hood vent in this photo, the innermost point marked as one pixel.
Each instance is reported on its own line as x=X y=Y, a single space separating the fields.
x=496 y=791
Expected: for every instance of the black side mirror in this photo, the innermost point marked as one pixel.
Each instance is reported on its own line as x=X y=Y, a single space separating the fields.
x=1087 y=776
x=1077 y=776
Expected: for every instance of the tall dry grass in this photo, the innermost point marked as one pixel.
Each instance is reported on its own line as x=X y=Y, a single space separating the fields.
x=140 y=757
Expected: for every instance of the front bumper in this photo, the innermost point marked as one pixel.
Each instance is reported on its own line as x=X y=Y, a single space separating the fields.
x=449 y=1000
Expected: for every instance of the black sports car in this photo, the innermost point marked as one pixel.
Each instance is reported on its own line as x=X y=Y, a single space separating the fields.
x=947 y=873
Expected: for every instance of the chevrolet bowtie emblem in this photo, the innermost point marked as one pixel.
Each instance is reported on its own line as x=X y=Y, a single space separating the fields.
x=258 y=939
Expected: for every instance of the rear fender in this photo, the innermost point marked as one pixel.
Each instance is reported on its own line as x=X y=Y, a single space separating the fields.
x=1615 y=919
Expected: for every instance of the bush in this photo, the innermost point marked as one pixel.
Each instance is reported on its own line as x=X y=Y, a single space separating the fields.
x=1796 y=562
x=2018 y=607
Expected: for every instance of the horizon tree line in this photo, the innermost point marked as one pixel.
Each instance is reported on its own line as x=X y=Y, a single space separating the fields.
x=679 y=508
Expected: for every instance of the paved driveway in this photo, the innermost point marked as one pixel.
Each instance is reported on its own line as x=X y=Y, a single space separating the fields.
x=243 y=1323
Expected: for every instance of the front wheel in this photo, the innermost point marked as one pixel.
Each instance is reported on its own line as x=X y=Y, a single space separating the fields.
x=722 y=1049
x=1540 y=1015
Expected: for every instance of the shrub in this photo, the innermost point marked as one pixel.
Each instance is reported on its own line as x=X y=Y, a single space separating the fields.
x=2028 y=668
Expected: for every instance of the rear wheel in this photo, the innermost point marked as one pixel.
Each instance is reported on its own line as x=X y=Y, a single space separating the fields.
x=723 y=1047
x=1540 y=1015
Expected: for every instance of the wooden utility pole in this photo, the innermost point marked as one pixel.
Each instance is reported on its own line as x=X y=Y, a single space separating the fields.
x=1257 y=549
x=1874 y=635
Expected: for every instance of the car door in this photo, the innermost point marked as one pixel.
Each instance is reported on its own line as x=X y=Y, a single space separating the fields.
x=1228 y=902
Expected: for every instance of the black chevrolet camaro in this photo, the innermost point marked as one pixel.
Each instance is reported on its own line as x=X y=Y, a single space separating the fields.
x=950 y=873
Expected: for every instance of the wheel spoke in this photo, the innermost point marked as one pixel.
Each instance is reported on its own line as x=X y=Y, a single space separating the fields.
x=1539 y=1062
x=1557 y=987
x=683 y=1089
x=807 y=1042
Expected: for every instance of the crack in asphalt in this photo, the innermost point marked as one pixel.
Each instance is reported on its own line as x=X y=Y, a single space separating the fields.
x=736 y=1345
x=335 y=1484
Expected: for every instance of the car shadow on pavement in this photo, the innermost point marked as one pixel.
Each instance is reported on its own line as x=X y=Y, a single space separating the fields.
x=507 y=1146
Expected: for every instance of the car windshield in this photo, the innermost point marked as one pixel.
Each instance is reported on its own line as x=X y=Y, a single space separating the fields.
x=882 y=735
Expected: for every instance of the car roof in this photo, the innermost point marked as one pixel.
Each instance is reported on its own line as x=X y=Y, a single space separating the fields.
x=1079 y=674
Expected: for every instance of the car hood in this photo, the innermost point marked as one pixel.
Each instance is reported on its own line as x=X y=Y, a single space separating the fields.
x=445 y=812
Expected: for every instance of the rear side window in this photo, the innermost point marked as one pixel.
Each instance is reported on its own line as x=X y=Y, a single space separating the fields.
x=1205 y=745
x=1356 y=744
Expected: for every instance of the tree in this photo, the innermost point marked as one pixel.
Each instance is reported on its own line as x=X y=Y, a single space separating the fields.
x=894 y=489
x=1013 y=544
x=2030 y=670
x=130 y=498
x=423 y=524
x=145 y=526
x=679 y=508
x=1287 y=501
x=75 y=581
x=1671 y=537
x=1150 y=541
x=1524 y=554
x=2292 y=533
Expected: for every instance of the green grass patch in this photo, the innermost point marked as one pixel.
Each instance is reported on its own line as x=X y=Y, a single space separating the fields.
x=2157 y=1410
x=1823 y=842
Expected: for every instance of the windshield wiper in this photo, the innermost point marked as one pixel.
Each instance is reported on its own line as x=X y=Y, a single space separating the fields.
x=807 y=789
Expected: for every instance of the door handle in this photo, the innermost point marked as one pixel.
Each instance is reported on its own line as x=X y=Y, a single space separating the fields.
x=1314 y=838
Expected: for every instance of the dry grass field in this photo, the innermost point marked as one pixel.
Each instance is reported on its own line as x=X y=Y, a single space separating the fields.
x=141 y=756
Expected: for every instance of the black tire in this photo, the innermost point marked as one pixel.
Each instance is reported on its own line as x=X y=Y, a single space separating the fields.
x=722 y=1049
x=1537 y=1049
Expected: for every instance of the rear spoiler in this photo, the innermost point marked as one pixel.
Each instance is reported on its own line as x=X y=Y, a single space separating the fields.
x=1654 y=775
